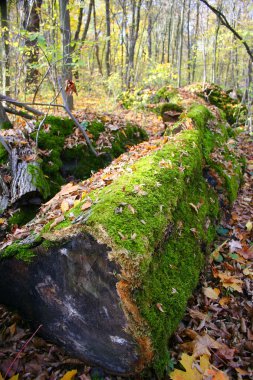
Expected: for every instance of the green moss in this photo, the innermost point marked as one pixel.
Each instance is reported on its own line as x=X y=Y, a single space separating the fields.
x=175 y=268
x=39 y=180
x=3 y=154
x=171 y=107
x=233 y=109
x=23 y=215
x=96 y=127
x=20 y=251
x=6 y=125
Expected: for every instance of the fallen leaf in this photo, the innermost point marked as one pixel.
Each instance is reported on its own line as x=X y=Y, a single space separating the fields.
x=200 y=344
x=130 y=207
x=234 y=245
x=64 y=206
x=2 y=221
x=249 y=226
x=229 y=281
x=224 y=301
x=57 y=221
x=214 y=374
x=191 y=372
x=69 y=375
x=160 y=307
x=211 y=293
x=194 y=207
x=86 y=205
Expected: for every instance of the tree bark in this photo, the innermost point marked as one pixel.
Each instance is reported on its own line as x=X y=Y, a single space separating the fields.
x=108 y=38
x=32 y=25
x=6 y=52
x=66 y=48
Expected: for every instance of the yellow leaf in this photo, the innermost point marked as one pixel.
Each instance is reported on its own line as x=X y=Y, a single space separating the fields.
x=187 y=362
x=2 y=220
x=1 y=377
x=76 y=202
x=15 y=377
x=249 y=226
x=12 y=329
x=211 y=293
x=64 y=206
x=69 y=375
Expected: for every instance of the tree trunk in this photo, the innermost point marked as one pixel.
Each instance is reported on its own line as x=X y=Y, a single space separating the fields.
x=195 y=48
x=96 y=47
x=180 y=50
x=32 y=25
x=108 y=37
x=6 y=52
x=66 y=48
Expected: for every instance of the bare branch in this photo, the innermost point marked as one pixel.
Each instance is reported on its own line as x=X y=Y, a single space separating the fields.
x=225 y=22
x=20 y=104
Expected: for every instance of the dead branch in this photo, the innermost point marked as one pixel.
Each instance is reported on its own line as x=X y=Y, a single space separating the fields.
x=20 y=104
x=18 y=113
x=225 y=23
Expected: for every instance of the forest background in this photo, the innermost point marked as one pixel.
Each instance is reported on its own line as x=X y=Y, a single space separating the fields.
x=107 y=46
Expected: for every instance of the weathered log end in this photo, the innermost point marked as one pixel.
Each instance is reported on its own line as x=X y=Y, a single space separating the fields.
x=73 y=295
x=110 y=279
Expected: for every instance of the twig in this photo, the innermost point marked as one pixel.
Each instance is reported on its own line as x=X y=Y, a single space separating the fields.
x=19 y=352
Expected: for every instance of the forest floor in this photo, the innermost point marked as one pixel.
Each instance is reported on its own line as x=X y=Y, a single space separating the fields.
x=219 y=318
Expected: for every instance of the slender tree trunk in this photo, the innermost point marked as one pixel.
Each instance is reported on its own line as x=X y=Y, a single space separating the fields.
x=170 y=30
x=108 y=37
x=195 y=48
x=150 y=21
x=32 y=25
x=96 y=39
x=6 y=51
x=66 y=48
x=134 y=33
x=189 y=58
x=180 y=50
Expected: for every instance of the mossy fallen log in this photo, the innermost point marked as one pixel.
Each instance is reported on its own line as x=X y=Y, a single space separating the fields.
x=109 y=280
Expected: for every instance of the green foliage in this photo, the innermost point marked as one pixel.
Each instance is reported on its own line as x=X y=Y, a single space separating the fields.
x=160 y=74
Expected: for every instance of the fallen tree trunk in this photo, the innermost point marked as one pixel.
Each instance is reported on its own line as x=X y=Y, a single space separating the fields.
x=107 y=270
